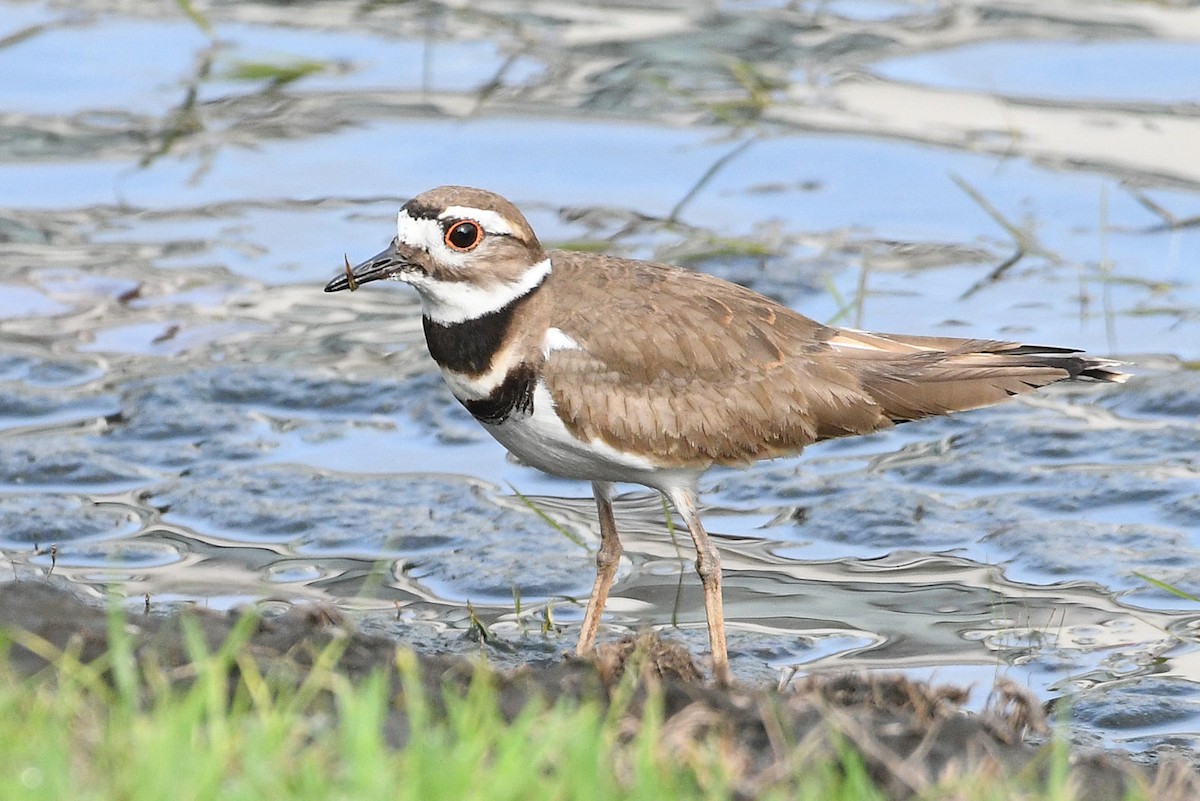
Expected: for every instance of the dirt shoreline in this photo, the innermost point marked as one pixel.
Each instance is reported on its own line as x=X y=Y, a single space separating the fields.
x=910 y=734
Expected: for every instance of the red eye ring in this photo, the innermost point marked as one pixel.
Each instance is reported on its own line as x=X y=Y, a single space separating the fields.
x=464 y=235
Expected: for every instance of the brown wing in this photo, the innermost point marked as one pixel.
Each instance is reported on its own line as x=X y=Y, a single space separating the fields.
x=702 y=371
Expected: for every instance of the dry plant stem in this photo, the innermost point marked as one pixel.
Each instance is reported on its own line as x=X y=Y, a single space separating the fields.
x=607 y=560
x=715 y=168
x=1169 y=220
x=1024 y=241
x=708 y=565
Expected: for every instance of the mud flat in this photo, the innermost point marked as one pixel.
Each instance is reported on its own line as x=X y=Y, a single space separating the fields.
x=909 y=734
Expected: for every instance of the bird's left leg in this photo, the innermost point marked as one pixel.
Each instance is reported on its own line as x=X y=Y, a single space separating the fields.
x=708 y=565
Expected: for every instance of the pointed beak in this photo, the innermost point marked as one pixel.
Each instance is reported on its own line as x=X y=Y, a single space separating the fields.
x=382 y=265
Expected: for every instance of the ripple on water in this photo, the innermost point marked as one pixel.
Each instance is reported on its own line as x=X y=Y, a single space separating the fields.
x=295 y=572
x=63 y=461
x=227 y=414
x=32 y=391
x=1095 y=551
x=46 y=372
x=1095 y=489
x=209 y=402
x=997 y=452
x=436 y=409
x=1185 y=511
x=1174 y=394
x=444 y=530
x=28 y=521
x=886 y=516
x=126 y=555
x=175 y=407
x=20 y=406
x=298 y=391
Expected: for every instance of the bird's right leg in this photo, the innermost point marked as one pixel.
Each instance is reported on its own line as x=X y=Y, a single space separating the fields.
x=608 y=558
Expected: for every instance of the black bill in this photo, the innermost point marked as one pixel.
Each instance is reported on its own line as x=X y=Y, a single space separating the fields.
x=381 y=265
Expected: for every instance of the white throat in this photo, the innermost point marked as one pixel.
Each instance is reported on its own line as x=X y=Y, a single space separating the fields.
x=449 y=302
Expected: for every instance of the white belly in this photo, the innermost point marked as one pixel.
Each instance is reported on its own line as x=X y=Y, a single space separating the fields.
x=542 y=441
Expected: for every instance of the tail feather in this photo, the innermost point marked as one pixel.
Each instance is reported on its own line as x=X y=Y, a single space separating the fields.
x=1077 y=363
x=915 y=377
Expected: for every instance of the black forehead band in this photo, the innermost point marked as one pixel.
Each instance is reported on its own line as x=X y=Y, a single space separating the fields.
x=421 y=210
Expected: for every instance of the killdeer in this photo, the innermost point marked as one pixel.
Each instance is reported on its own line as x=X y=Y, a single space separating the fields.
x=613 y=370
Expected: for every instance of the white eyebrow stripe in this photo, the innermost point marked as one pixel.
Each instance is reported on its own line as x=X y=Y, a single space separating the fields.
x=427 y=235
x=492 y=222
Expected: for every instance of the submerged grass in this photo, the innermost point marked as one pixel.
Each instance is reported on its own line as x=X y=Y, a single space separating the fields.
x=276 y=74
x=1167 y=587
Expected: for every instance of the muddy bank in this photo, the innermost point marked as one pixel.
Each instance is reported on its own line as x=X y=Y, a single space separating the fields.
x=910 y=734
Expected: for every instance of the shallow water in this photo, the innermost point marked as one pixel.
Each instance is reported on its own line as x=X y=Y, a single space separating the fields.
x=184 y=413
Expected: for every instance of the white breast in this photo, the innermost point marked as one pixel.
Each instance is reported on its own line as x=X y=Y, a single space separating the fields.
x=541 y=440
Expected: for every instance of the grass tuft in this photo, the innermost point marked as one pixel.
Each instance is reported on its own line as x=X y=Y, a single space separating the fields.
x=223 y=725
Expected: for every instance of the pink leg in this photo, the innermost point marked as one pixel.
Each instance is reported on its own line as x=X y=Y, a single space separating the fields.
x=607 y=560
x=708 y=565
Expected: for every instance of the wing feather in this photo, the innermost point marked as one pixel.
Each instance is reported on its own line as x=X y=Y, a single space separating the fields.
x=701 y=371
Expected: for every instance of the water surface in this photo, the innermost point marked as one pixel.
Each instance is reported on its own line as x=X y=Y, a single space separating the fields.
x=184 y=414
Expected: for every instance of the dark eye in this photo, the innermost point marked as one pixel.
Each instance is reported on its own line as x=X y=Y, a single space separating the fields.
x=464 y=235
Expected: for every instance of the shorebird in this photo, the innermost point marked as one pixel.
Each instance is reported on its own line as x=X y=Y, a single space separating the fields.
x=613 y=370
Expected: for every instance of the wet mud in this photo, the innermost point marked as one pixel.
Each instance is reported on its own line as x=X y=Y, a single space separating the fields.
x=910 y=734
